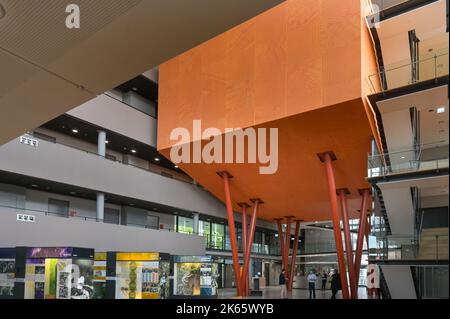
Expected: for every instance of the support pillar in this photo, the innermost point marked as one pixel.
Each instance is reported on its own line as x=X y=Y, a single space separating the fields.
x=100 y=207
x=245 y=281
x=231 y=226
x=327 y=158
x=294 y=253
x=196 y=218
x=281 y=238
x=343 y=192
x=251 y=234
x=101 y=143
x=362 y=228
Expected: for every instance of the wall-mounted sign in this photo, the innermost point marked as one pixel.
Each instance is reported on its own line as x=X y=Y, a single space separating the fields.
x=26 y=218
x=28 y=141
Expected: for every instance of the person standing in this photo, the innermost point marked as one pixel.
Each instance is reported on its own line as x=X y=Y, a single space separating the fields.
x=312 y=278
x=335 y=284
x=324 y=280
x=283 y=282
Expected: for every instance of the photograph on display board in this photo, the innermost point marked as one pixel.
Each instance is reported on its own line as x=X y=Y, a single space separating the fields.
x=99 y=282
x=187 y=279
x=34 y=279
x=164 y=270
x=7 y=277
x=82 y=284
x=128 y=285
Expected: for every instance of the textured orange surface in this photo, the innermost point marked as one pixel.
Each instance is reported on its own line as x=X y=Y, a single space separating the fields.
x=298 y=67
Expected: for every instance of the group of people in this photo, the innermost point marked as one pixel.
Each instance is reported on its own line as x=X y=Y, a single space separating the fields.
x=312 y=279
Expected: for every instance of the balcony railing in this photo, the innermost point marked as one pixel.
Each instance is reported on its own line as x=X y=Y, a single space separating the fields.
x=428 y=68
x=408 y=160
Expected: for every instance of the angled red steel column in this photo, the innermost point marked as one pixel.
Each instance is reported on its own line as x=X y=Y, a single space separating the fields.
x=362 y=228
x=281 y=238
x=234 y=248
x=248 y=249
x=244 y=283
x=287 y=243
x=294 y=253
x=327 y=158
x=343 y=192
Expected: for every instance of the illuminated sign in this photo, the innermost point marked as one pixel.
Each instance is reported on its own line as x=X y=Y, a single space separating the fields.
x=26 y=218
x=28 y=141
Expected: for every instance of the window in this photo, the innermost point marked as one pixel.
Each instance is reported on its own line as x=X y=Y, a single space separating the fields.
x=185 y=225
x=58 y=207
x=217 y=236
x=112 y=216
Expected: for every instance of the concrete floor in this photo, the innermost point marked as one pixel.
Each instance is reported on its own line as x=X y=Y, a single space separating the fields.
x=275 y=292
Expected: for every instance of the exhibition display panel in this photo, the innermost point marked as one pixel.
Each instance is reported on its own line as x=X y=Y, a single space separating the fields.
x=54 y=273
x=137 y=275
x=99 y=275
x=7 y=273
x=194 y=276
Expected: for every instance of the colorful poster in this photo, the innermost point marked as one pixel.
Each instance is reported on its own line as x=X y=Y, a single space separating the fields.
x=164 y=271
x=187 y=279
x=99 y=279
x=82 y=284
x=34 y=279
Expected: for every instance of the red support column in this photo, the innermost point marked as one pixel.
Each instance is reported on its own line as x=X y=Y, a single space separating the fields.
x=287 y=244
x=294 y=253
x=281 y=237
x=230 y=215
x=327 y=158
x=244 y=283
x=362 y=228
x=248 y=249
x=343 y=192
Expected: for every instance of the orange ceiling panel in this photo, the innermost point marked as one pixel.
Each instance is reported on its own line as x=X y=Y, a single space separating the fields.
x=300 y=67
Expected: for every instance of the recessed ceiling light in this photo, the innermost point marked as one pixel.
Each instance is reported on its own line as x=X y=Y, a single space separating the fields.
x=440 y=110
x=176 y=166
x=131 y=204
x=402 y=157
x=134 y=89
x=34 y=185
x=276 y=235
x=156 y=159
x=106 y=142
x=74 y=130
x=133 y=151
x=73 y=193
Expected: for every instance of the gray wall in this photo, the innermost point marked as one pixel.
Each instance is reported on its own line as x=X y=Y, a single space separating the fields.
x=116 y=116
x=70 y=166
x=58 y=231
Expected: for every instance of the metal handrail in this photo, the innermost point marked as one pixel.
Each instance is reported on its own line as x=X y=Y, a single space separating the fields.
x=382 y=74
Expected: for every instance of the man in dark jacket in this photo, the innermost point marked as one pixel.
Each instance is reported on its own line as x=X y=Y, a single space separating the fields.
x=335 y=284
x=283 y=281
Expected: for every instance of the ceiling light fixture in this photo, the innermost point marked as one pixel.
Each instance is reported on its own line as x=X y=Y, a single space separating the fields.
x=134 y=89
x=176 y=166
x=133 y=151
x=156 y=159
x=106 y=142
x=75 y=130
x=402 y=157
x=72 y=193
x=34 y=185
x=440 y=110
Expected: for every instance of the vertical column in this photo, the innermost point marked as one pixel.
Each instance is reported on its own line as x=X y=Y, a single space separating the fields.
x=101 y=143
x=281 y=238
x=100 y=207
x=231 y=226
x=343 y=192
x=196 y=222
x=327 y=158
x=251 y=233
x=243 y=205
x=294 y=253
x=287 y=244
x=362 y=228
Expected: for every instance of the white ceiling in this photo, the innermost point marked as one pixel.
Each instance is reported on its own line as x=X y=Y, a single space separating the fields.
x=398 y=200
x=429 y=22
x=47 y=69
x=396 y=118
